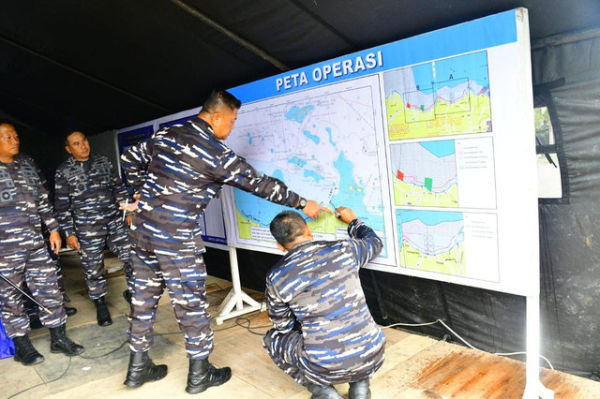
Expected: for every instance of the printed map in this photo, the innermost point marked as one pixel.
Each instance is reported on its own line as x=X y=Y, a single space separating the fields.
x=323 y=143
x=440 y=98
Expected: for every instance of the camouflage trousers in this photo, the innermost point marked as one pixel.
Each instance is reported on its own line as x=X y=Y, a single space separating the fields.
x=284 y=349
x=184 y=275
x=92 y=255
x=30 y=263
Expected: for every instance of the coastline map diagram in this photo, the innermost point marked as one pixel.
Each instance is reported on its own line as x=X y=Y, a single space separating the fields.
x=432 y=241
x=425 y=174
x=322 y=143
x=445 y=97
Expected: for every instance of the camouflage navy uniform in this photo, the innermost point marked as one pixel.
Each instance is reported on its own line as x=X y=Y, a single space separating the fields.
x=24 y=206
x=177 y=172
x=86 y=197
x=323 y=331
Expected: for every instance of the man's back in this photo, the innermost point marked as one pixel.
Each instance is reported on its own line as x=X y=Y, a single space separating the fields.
x=317 y=284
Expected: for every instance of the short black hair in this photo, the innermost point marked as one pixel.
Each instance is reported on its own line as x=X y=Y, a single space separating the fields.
x=219 y=98
x=287 y=226
x=69 y=133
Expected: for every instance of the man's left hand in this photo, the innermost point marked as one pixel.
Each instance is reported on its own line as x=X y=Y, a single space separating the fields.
x=313 y=210
x=129 y=206
x=55 y=241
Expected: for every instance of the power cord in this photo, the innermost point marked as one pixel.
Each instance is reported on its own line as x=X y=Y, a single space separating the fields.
x=43 y=383
x=462 y=339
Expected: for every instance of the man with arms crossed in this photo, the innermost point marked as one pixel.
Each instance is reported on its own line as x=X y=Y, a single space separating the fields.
x=323 y=331
x=177 y=172
x=86 y=196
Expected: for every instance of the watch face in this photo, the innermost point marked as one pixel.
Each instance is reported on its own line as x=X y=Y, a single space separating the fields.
x=302 y=203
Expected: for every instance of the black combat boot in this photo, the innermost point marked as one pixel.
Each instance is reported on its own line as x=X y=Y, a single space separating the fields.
x=70 y=311
x=25 y=352
x=102 y=313
x=141 y=370
x=359 y=390
x=60 y=343
x=203 y=375
x=323 y=391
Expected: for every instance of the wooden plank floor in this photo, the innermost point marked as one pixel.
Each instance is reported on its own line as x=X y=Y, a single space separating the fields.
x=415 y=366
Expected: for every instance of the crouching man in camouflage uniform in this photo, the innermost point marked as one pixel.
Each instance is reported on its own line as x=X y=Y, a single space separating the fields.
x=23 y=255
x=86 y=196
x=323 y=331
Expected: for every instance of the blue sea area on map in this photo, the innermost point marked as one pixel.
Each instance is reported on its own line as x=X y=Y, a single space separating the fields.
x=452 y=72
x=471 y=66
x=298 y=113
x=423 y=75
x=311 y=136
x=313 y=174
x=440 y=149
x=297 y=161
x=430 y=218
x=254 y=206
x=330 y=136
x=351 y=195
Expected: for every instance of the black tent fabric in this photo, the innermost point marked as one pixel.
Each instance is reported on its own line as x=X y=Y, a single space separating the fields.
x=100 y=65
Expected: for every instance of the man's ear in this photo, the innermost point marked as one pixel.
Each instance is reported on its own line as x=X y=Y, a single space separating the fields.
x=68 y=149
x=307 y=232
x=282 y=248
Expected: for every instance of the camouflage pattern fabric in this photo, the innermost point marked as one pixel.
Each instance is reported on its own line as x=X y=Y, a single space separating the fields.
x=177 y=172
x=323 y=331
x=185 y=279
x=86 y=198
x=23 y=255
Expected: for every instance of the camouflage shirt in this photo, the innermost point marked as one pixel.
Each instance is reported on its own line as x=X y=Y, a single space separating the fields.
x=177 y=172
x=317 y=285
x=24 y=204
x=87 y=194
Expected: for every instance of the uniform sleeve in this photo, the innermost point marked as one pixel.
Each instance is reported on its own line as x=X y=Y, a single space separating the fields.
x=279 y=312
x=62 y=204
x=134 y=163
x=235 y=171
x=118 y=188
x=45 y=209
x=364 y=243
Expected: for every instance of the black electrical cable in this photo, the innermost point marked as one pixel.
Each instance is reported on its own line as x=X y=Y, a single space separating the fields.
x=43 y=383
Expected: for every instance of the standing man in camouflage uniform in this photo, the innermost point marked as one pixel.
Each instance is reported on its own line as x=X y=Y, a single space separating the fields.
x=24 y=207
x=86 y=197
x=323 y=331
x=177 y=172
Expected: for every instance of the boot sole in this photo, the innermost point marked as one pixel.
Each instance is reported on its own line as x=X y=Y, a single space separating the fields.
x=131 y=384
x=204 y=387
x=65 y=353
x=36 y=361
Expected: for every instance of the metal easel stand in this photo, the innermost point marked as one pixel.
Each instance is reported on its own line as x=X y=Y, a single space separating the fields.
x=236 y=298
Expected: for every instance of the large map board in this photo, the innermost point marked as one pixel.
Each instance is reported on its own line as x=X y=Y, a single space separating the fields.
x=428 y=139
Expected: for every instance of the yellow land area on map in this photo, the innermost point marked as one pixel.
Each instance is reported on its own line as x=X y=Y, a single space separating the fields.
x=470 y=114
x=409 y=194
x=452 y=263
x=326 y=224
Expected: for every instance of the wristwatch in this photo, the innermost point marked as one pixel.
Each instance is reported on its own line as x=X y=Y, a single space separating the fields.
x=301 y=204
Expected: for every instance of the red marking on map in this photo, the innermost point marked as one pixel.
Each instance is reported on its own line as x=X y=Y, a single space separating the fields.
x=400 y=175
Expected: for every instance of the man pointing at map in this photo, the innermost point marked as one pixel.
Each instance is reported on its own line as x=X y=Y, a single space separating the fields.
x=175 y=174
